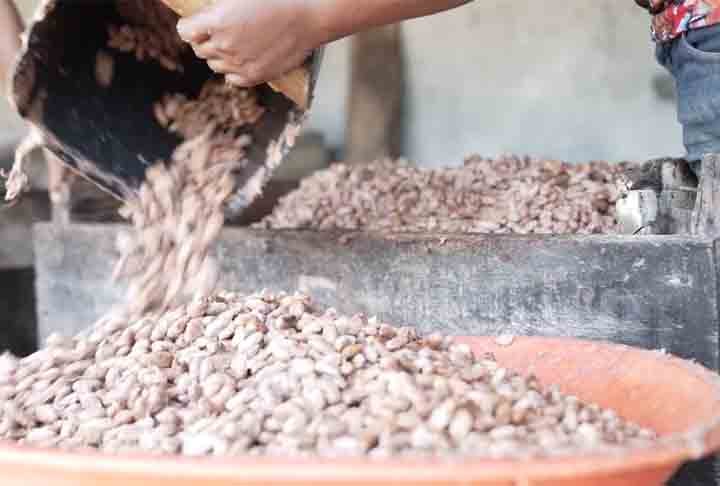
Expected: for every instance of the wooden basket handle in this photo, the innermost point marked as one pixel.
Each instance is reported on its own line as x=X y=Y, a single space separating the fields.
x=295 y=84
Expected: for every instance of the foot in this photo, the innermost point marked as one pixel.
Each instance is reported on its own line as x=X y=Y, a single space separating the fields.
x=658 y=198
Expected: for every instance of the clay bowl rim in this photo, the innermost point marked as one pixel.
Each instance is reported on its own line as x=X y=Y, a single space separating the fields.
x=669 y=452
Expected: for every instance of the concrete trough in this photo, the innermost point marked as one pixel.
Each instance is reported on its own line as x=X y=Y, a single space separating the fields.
x=651 y=292
x=654 y=292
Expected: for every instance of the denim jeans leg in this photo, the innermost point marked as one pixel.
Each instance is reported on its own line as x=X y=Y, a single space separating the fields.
x=694 y=61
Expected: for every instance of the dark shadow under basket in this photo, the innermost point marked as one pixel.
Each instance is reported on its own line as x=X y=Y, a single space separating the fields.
x=110 y=135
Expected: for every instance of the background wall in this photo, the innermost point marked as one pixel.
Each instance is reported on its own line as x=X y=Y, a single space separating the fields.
x=576 y=82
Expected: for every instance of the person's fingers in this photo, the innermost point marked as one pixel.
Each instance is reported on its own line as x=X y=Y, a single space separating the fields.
x=205 y=50
x=198 y=27
x=192 y=34
x=224 y=67
x=220 y=46
x=249 y=74
x=239 y=80
x=254 y=73
x=199 y=38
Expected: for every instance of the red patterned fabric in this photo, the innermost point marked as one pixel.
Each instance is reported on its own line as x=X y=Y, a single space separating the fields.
x=673 y=17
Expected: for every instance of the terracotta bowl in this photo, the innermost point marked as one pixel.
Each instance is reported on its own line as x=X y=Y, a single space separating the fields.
x=679 y=399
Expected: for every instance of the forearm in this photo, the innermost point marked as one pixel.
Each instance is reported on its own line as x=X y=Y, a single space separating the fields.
x=340 y=18
x=10 y=29
x=254 y=41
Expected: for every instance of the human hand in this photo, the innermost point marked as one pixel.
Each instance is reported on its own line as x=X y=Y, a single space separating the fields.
x=254 y=41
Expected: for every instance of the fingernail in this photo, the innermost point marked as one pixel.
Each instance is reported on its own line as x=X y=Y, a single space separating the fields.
x=183 y=29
